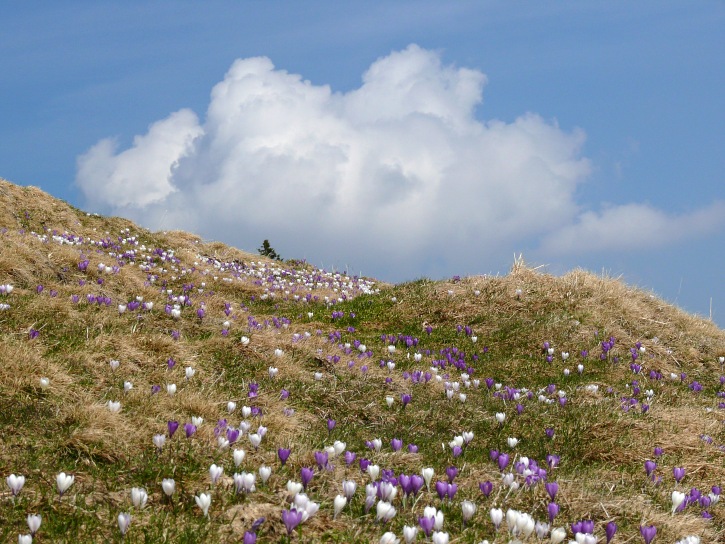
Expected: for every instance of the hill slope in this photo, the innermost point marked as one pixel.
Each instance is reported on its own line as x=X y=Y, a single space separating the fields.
x=111 y=336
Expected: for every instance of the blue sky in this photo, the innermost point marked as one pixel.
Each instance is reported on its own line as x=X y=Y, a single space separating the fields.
x=398 y=139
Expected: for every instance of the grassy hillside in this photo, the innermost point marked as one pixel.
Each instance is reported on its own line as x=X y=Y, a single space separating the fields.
x=130 y=357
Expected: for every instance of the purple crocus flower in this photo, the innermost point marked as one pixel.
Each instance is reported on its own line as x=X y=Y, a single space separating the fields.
x=253 y=390
x=457 y=451
x=552 y=488
x=283 y=454
x=412 y=448
x=610 y=529
x=452 y=490
x=678 y=473
x=441 y=489
x=553 y=510
x=331 y=425
x=427 y=524
x=396 y=444
x=189 y=429
x=364 y=464
x=648 y=533
x=306 y=475
x=405 y=484
x=416 y=484
x=232 y=435
x=503 y=461
x=349 y=457
x=155 y=389
x=321 y=458
x=405 y=399
x=649 y=467
x=552 y=460
x=291 y=519
x=249 y=538
x=486 y=488
x=451 y=472
x=549 y=431
x=694 y=495
x=172 y=426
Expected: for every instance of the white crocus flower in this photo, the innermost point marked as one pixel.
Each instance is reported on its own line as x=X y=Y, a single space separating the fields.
x=410 y=533
x=427 y=474
x=339 y=503
x=139 y=497
x=468 y=508
x=64 y=481
x=264 y=473
x=169 y=486
x=558 y=535
x=385 y=511
x=15 y=483
x=677 y=499
x=215 y=473
x=33 y=521
x=124 y=521
x=203 y=501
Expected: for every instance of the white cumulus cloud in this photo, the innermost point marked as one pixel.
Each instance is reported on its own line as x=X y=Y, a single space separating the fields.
x=397 y=178
x=632 y=227
x=141 y=175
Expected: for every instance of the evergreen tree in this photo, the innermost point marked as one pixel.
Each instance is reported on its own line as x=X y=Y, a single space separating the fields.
x=268 y=251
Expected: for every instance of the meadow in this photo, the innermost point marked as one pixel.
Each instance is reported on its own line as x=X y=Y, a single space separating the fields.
x=157 y=387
